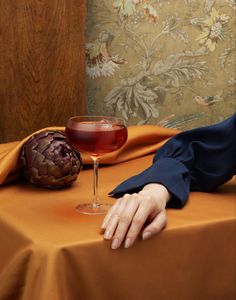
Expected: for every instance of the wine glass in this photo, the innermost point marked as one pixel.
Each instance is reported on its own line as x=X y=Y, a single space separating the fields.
x=95 y=136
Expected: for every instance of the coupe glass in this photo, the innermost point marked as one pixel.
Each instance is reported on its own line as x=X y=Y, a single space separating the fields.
x=95 y=136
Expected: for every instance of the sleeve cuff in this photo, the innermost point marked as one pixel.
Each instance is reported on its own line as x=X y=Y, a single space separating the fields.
x=167 y=171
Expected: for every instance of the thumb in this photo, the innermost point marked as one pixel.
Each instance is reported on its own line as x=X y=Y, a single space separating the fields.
x=158 y=223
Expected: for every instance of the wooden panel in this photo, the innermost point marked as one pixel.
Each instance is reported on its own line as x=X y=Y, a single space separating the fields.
x=42 y=65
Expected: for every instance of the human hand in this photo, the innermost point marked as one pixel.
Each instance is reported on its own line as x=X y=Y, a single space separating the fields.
x=129 y=215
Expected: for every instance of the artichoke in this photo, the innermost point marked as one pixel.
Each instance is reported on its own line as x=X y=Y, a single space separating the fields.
x=49 y=161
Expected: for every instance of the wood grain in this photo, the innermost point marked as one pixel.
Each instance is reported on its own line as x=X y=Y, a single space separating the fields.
x=42 y=64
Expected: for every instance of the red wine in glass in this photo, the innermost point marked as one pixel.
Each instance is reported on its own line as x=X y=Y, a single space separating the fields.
x=95 y=136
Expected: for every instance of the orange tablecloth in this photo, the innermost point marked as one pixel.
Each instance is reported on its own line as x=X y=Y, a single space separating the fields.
x=142 y=140
x=50 y=252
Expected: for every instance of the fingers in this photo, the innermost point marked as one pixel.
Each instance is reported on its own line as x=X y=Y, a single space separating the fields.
x=110 y=212
x=146 y=209
x=125 y=220
x=158 y=223
x=112 y=218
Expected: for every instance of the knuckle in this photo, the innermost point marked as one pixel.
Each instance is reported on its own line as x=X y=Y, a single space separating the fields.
x=133 y=200
x=146 y=204
x=132 y=237
x=159 y=227
x=156 y=228
x=146 y=199
x=126 y=196
x=133 y=197
x=144 y=195
x=124 y=219
x=151 y=201
x=133 y=232
x=138 y=221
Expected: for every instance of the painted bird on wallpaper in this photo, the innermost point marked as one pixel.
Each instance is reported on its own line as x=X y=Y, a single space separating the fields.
x=207 y=100
x=100 y=62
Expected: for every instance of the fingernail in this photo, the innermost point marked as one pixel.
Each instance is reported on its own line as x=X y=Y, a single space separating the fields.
x=128 y=243
x=146 y=235
x=115 y=244
x=107 y=234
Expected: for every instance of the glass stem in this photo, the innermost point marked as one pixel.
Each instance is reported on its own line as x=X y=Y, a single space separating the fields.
x=95 y=182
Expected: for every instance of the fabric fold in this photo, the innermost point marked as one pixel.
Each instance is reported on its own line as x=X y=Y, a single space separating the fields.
x=142 y=140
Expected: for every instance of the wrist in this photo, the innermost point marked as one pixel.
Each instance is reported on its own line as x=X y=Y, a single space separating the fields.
x=157 y=190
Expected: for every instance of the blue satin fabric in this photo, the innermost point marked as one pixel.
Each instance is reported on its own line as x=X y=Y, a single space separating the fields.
x=195 y=160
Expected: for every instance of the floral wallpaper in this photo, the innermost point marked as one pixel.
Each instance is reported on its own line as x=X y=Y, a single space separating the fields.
x=166 y=62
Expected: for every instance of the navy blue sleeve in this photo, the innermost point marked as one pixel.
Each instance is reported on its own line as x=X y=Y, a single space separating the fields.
x=195 y=160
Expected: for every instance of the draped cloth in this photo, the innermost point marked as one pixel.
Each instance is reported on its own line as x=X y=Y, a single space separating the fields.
x=142 y=140
x=49 y=251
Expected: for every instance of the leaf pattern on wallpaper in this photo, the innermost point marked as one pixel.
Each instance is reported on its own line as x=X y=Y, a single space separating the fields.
x=208 y=6
x=153 y=58
x=232 y=4
x=179 y=67
x=134 y=98
x=225 y=55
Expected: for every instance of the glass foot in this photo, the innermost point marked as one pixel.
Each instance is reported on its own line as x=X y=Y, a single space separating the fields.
x=91 y=209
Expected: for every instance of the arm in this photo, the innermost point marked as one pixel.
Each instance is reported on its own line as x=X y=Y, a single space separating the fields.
x=199 y=159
